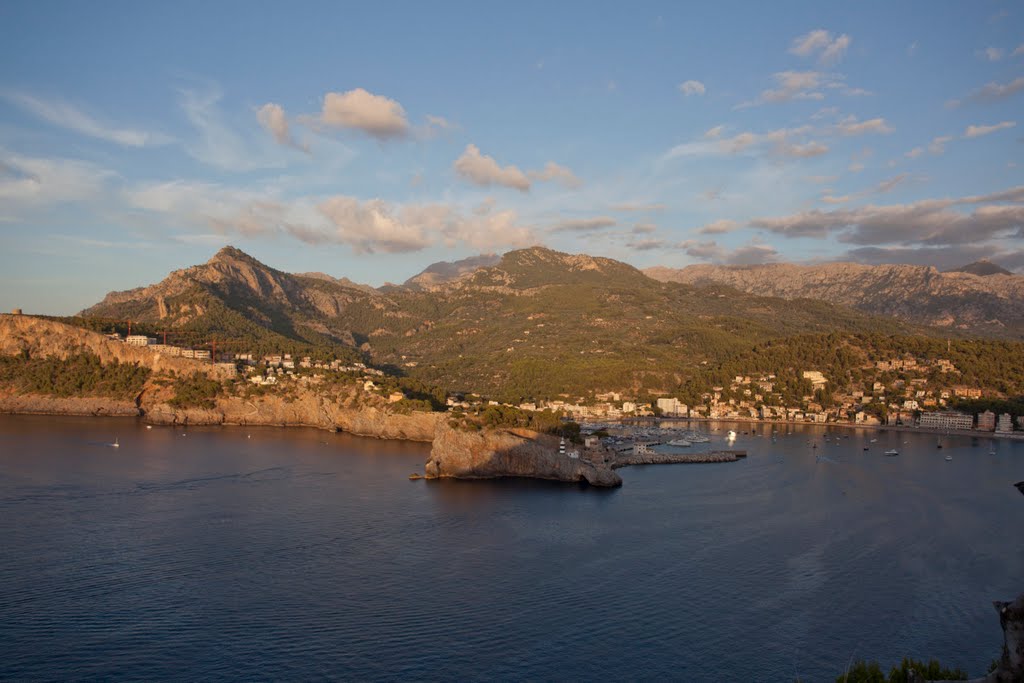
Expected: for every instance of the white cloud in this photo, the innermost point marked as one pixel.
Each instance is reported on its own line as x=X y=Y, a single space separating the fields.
x=978 y=131
x=927 y=222
x=638 y=206
x=65 y=115
x=1018 y=51
x=375 y=115
x=646 y=244
x=483 y=170
x=993 y=54
x=713 y=133
x=555 y=172
x=791 y=85
x=992 y=92
x=828 y=47
x=584 y=224
x=33 y=182
x=689 y=88
x=749 y=254
x=367 y=226
x=789 y=143
x=273 y=119
x=938 y=144
x=850 y=127
x=915 y=153
x=644 y=228
x=718 y=227
x=219 y=144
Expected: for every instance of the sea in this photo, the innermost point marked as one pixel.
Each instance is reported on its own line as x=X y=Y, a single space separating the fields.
x=258 y=554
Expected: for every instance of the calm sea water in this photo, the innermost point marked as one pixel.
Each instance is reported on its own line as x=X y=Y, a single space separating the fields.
x=288 y=554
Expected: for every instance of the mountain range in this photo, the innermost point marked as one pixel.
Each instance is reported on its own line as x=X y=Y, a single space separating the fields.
x=539 y=322
x=978 y=299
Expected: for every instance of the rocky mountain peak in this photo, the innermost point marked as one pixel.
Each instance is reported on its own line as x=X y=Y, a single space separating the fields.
x=982 y=267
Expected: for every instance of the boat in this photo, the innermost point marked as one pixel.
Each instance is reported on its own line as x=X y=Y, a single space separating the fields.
x=873 y=440
x=679 y=442
x=115 y=444
x=892 y=451
x=948 y=458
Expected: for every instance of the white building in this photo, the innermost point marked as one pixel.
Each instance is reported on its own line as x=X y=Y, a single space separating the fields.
x=669 y=406
x=946 y=420
x=137 y=340
x=1005 y=423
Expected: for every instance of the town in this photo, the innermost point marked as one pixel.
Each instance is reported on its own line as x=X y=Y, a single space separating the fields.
x=908 y=392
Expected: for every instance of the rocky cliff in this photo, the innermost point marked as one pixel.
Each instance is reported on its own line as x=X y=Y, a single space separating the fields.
x=495 y=454
x=308 y=409
x=47 y=338
x=988 y=304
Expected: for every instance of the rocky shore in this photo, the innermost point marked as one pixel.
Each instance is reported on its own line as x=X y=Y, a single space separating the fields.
x=493 y=454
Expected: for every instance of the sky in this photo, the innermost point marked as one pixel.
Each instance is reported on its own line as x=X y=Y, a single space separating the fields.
x=368 y=140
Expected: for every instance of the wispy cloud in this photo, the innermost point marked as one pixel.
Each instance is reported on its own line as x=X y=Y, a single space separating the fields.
x=927 y=222
x=689 y=88
x=827 y=47
x=33 y=182
x=749 y=254
x=992 y=92
x=978 y=131
x=273 y=119
x=583 y=224
x=65 y=115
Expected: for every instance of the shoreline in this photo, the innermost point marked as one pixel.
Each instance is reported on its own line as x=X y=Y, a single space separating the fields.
x=1012 y=436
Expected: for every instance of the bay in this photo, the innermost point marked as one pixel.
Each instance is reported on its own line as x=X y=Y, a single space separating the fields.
x=261 y=553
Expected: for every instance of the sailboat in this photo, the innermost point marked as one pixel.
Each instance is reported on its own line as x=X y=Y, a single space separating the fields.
x=115 y=444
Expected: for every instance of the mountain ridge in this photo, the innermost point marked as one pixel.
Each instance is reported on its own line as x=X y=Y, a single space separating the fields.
x=991 y=305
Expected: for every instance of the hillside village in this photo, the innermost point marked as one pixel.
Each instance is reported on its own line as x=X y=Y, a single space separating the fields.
x=907 y=392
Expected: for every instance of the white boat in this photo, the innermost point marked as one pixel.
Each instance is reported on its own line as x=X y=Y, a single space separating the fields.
x=873 y=440
x=892 y=451
x=679 y=442
x=948 y=458
x=115 y=444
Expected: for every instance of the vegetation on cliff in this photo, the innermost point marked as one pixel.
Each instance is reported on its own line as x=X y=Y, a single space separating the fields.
x=78 y=375
x=871 y=672
x=195 y=391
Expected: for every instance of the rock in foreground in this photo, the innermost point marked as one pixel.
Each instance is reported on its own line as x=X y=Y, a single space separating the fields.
x=494 y=454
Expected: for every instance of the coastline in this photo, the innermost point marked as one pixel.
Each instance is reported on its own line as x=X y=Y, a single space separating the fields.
x=1013 y=436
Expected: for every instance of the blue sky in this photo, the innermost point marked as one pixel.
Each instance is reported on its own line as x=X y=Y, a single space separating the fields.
x=369 y=140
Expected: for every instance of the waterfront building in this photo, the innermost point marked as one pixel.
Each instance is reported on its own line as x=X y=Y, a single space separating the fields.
x=946 y=420
x=669 y=406
x=1005 y=423
x=987 y=421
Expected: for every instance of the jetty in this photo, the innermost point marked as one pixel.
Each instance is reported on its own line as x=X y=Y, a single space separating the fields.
x=654 y=458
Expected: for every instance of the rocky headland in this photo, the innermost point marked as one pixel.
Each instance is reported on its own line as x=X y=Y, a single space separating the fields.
x=493 y=454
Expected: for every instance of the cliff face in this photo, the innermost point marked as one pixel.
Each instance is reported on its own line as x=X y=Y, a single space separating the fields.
x=991 y=304
x=29 y=404
x=47 y=338
x=504 y=453
x=308 y=410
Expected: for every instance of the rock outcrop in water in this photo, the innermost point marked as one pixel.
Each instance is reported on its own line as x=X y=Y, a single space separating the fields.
x=495 y=454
